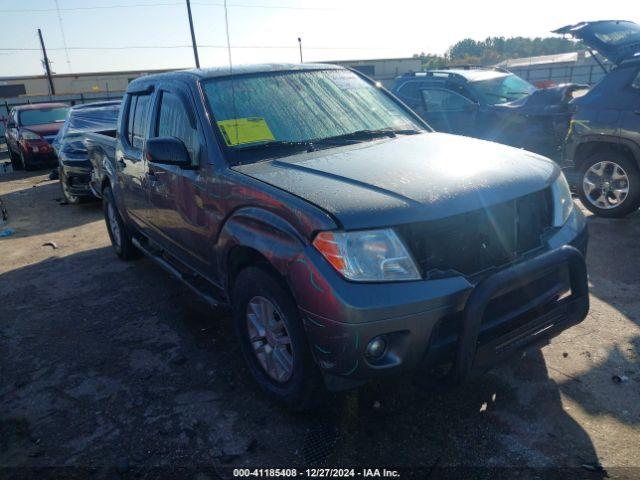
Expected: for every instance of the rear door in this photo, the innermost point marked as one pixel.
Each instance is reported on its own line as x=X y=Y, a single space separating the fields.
x=178 y=196
x=131 y=166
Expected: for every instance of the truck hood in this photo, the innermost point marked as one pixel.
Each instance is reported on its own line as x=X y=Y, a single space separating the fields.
x=408 y=178
x=616 y=40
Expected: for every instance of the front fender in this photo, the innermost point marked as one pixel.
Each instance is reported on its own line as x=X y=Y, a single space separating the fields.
x=263 y=231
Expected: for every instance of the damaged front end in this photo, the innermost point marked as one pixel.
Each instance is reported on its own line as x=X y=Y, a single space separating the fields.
x=538 y=122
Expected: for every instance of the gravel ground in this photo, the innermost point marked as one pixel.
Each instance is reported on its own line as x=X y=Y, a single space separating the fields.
x=114 y=369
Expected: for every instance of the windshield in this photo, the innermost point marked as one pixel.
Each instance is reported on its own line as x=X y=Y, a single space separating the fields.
x=300 y=107
x=503 y=88
x=43 y=116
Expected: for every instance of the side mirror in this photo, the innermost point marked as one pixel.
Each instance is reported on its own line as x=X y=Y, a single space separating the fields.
x=168 y=151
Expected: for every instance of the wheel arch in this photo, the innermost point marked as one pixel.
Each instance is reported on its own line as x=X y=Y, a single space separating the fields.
x=255 y=236
x=591 y=147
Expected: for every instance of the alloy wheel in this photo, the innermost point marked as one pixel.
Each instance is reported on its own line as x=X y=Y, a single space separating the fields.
x=606 y=185
x=270 y=338
x=114 y=226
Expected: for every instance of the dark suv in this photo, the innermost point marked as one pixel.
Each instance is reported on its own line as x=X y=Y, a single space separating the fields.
x=30 y=131
x=351 y=241
x=602 y=149
x=492 y=104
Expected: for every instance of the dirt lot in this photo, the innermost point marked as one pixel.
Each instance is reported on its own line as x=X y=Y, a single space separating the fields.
x=114 y=368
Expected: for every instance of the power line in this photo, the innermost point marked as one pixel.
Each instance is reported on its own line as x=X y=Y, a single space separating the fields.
x=64 y=38
x=136 y=47
x=165 y=4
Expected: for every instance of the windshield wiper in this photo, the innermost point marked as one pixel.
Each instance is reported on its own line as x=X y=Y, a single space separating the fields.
x=365 y=135
x=278 y=144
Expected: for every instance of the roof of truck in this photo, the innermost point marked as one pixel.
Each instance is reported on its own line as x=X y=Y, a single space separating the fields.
x=223 y=71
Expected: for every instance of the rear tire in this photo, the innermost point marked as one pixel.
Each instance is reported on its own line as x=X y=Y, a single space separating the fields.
x=609 y=184
x=118 y=232
x=301 y=387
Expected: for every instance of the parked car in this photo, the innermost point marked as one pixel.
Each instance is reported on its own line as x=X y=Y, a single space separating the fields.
x=492 y=104
x=351 y=241
x=30 y=132
x=74 y=166
x=602 y=148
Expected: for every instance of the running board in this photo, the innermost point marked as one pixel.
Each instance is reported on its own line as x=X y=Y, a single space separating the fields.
x=156 y=256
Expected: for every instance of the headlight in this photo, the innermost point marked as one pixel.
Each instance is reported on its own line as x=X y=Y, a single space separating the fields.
x=367 y=255
x=562 y=201
x=29 y=135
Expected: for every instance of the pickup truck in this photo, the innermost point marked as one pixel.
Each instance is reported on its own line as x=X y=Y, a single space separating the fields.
x=351 y=241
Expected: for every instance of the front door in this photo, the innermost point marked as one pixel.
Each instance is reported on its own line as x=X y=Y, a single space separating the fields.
x=448 y=111
x=178 y=214
x=131 y=166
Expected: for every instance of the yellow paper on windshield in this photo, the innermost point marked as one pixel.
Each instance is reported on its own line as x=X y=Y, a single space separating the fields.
x=239 y=131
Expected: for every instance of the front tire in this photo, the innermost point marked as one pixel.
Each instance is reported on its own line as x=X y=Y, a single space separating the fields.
x=118 y=232
x=26 y=166
x=609 y=184
x=15 y=160
x=273 y=341
x=70 y=198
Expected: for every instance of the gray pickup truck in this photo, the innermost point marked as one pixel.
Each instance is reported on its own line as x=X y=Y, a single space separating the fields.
x=351 y=240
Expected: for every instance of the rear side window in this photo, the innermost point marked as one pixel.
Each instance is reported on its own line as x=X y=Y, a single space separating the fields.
x=137 y=119
x=173 y=121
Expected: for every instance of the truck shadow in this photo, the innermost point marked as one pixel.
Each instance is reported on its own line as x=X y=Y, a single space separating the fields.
x=112 y=360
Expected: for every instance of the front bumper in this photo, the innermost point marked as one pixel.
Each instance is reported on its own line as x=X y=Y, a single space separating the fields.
x=450 y=326
x=77 y=174
x=40 y=154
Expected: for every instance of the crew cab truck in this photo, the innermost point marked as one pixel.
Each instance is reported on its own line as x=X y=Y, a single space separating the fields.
x=351 y=241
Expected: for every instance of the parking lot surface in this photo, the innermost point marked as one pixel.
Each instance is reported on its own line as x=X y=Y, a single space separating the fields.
x=116 y=367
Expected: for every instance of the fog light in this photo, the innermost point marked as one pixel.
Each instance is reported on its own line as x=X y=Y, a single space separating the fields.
x=376 y=347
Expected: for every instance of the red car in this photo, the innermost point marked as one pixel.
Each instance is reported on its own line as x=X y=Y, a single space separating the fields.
x=30 y=131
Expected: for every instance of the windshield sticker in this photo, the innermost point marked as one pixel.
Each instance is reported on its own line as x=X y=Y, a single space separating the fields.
x=239 y=131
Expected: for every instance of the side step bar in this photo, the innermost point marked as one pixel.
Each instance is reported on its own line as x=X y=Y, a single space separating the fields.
x=156 y=256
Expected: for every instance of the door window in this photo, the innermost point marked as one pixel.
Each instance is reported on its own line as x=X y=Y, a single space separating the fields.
x=137 y=119
x=173 y=121
x=438 y=100
x=636 y=81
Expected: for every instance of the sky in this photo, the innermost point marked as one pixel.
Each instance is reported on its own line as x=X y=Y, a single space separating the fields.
x=99 y=34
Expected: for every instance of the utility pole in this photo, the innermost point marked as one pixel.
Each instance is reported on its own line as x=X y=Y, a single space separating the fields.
x=193 y=36
x=300 y=46
x=46 y=64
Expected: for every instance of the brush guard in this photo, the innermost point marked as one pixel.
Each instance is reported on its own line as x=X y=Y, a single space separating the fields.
x=473 y=359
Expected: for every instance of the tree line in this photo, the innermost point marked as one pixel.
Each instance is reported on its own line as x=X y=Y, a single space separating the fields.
x=493 y=50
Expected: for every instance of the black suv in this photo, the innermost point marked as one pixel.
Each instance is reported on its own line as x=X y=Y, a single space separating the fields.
x=602 y=148
x=492 y=104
